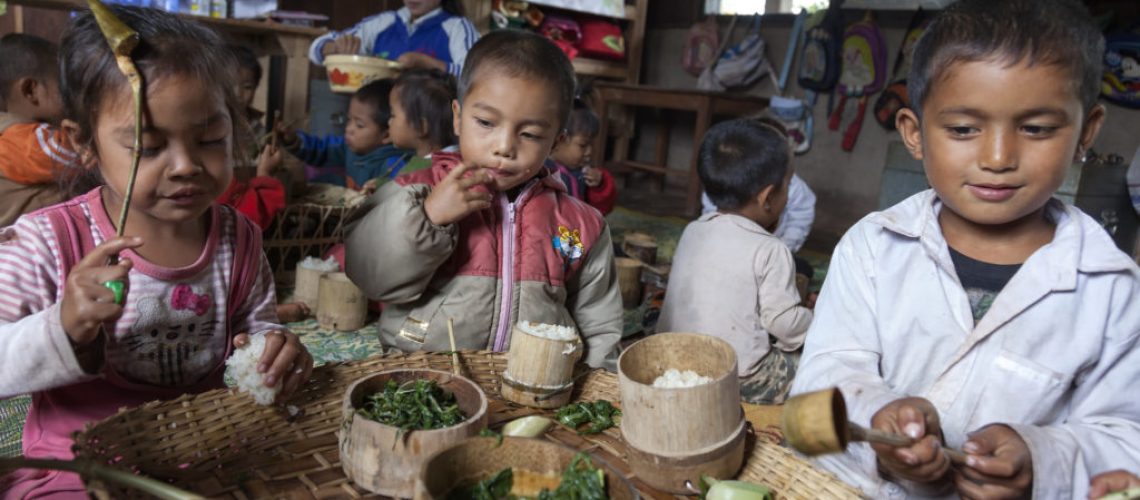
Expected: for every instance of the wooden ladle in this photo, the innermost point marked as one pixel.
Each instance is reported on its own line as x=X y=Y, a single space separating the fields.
x=816 y=424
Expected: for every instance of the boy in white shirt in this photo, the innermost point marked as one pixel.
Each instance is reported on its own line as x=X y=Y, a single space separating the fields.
x=731 y=277
x=984 y=314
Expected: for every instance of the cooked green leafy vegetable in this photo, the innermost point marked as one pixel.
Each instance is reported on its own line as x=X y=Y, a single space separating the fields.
x=580 y=481
x=599 y=414
x=488 y=433
x=414 y=405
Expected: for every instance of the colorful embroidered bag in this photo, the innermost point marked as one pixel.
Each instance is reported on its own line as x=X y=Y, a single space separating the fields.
x=864 y=73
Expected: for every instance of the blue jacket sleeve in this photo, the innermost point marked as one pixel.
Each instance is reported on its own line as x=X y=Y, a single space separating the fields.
x=328 y=151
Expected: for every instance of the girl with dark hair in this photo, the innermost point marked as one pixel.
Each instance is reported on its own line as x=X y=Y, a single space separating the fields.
x=421 y=121
x=196 y=282
x=430 y=34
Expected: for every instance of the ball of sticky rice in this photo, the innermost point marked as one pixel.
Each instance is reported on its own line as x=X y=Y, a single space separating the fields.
x=242 y=369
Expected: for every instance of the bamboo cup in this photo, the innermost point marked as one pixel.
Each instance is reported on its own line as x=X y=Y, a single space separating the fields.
x=307 y=286
x=816 y=423
x=629 y=280
x=640 y=246
x=342 y=306
x=540 y=370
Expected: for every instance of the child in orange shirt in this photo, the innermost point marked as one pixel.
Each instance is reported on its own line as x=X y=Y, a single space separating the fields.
x=31 y=146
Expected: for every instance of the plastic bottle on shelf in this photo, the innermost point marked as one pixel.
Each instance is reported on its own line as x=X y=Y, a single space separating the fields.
x=218 y=8
x=197 y=7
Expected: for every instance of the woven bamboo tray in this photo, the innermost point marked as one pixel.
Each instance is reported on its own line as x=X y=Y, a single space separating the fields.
x=303 y=230
x=221 y=444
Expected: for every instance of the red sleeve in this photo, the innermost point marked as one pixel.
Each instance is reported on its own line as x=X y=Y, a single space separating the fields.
x=260 y=200
x=604 y=195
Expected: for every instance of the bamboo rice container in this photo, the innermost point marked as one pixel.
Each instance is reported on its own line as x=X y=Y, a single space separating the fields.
x=341 y=306
x=540 y=370
x=306 y=288
x=676 y=435
x=629 y=281
x=384 y=460
x=640 y=246
x=479 y=458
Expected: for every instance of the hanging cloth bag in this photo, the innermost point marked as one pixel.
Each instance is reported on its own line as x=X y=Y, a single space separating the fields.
x=744 y=63
x=895 y=97
x=864 y=73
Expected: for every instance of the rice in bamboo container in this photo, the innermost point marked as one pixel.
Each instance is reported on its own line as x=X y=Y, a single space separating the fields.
x=307 y=281
x=540 y=365
x=678 y=434
x=342 y=306
x=385 y=460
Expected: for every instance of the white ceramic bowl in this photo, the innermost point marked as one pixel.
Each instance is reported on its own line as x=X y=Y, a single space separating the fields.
x=348 y=72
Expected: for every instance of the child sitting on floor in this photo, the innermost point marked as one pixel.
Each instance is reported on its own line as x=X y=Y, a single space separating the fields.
x=262 y=197
x=363 y=150
x=195 y=283
x=732 y=278
x=32 y=149
x=421 y=120
x=488 y=237
x=573 y=157
x=985 y=314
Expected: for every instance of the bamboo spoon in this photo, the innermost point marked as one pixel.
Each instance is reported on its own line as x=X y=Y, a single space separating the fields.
x=90 y=469
x=123 y=40
x=816 y=423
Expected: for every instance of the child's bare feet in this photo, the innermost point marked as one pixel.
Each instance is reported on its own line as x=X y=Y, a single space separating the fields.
x=293 y=312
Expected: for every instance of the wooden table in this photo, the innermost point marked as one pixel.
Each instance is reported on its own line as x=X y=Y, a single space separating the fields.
x=290 y=43
x=705 y=104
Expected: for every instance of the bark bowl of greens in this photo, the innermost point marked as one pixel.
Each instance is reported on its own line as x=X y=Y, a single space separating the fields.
x=424 y=411
x=484 y=468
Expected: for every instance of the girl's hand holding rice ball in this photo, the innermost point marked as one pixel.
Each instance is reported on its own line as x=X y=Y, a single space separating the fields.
x=270 y=366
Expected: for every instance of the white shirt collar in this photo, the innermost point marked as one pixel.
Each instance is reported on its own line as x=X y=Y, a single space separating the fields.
x=405 y=16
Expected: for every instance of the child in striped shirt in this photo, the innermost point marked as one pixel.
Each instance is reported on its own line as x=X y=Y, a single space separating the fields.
x=197 y=283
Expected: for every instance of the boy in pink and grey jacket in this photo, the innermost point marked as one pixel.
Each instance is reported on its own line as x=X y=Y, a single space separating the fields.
x=490 y=237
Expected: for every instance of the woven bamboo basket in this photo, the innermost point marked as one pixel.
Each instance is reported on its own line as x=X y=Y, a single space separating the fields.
x=221 y=444
x=303 y=230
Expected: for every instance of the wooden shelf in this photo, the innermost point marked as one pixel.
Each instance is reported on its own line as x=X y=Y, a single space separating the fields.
x=597 y=67
x=629 y=13
x=247 y=26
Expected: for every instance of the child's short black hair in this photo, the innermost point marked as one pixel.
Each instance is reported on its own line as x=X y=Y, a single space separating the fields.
x=739 y=158
x=247 y=60
x=426 y=96
x=517 y=53
x=25 y=56
x=1057 y=32
x=582 y=121
x=374 y=94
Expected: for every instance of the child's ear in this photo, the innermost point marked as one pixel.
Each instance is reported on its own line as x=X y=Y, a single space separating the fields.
x=560 y=140
x=71 y=133
x=423 y=129
x=27 y=87
x=910 y=129
x=1091 y=128
x=455 y=109
x=765 y=196
x=386 y=136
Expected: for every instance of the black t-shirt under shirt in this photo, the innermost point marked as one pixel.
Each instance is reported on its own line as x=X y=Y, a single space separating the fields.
x=982 y=281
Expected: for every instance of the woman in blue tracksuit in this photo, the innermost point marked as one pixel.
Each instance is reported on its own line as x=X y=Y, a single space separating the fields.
x=422 y=34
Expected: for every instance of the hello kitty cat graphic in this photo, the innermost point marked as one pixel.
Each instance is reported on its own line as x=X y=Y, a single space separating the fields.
x=170 y=342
